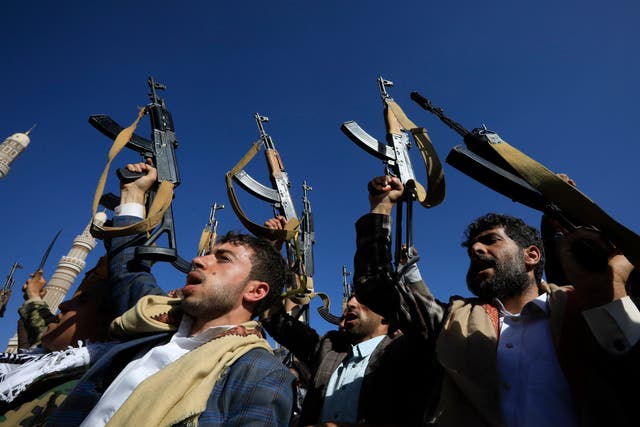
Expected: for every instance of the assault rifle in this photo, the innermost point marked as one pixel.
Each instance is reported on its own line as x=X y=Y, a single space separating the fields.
x=303 y=265
x=210 y=232
x=161 y=149
x=488 y=159
x=307 y=234
x=298 y=235
x=5 y=292
x=278 y=195
x=397 y=161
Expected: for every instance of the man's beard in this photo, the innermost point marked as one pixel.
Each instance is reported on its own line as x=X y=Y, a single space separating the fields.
x=217 y=302
x=510 y=278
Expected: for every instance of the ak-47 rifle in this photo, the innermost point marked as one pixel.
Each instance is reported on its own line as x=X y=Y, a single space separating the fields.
x=488 y=159
x=397 y=160
x=300 y=290
x=307 y=233
x=5 y=292
x=302 y=259
x=161 y=150
x=209 y=233
x=346 y=287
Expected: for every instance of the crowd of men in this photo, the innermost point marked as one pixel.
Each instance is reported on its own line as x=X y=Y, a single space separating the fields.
x=521 y=352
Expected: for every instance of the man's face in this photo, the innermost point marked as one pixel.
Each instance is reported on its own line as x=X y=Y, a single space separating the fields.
x=217 y=282
x=497 y=268
x=361 y=322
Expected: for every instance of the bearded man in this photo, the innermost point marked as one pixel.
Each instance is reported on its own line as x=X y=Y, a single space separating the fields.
x=522 y=352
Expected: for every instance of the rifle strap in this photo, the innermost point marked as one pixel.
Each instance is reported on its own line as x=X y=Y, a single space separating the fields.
x=434 y=195
x=160 y=203
x=305 y=293
x=293 y=224
x=570 y=200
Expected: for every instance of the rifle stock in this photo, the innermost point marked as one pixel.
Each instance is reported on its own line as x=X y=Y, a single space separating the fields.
x=491 y=161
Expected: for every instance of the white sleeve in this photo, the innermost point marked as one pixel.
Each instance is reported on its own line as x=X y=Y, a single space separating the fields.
x=130 y=209
x=616 y=325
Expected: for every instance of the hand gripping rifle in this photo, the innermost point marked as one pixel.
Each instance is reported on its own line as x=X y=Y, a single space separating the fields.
x=5 y=292
x=395 y=156
x=488 y=159
x=300 y=261
x=161 y=149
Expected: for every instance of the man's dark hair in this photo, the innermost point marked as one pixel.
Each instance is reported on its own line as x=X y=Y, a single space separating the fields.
x=267 y=265
x=521 y=233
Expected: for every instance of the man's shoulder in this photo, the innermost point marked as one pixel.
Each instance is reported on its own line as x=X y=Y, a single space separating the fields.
x=260 y=355
x=260 y=362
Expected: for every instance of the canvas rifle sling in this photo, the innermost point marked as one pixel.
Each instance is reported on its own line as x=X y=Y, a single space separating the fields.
x=304 y=293
x=434 y=195
x=160 y=203
x=570 y=200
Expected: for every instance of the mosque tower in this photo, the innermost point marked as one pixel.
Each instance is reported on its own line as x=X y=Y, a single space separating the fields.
x=71 y=265
x=10 y=148
x=60 y=282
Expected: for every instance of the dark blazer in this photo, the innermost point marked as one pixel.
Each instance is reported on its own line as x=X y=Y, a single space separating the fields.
x=397 y=383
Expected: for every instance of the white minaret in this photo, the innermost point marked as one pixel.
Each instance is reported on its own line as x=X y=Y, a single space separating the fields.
x=68 y=269
x=10 y=149
x=71 y=265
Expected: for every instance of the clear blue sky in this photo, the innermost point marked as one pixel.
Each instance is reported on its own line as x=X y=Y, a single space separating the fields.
x=558 y=80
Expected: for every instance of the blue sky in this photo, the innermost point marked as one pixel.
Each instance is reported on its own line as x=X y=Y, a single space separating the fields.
x=557 y=80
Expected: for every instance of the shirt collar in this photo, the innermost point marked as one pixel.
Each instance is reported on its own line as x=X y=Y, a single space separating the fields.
x=365 y=348
x=204 y=336
x=536 y=307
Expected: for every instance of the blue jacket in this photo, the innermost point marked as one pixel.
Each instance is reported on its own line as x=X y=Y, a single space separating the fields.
x=257 y=390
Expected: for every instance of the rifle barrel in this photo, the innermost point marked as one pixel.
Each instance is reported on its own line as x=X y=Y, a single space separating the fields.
x=437 y=111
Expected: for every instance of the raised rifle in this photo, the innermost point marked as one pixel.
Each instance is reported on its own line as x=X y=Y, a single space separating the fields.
x=5 y=292
x=396 y=158
x=210 y=232
x=302 y=259
x=307 y=234
x=488 y=159
x=298 y=237
x=277 y=195
x=161 y=150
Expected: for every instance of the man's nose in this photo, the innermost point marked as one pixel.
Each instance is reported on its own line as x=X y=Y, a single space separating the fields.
x=477 y=248
x=197 y=263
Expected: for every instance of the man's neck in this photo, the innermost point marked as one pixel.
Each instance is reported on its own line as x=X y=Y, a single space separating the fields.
x=516 y=303
x=200 y=325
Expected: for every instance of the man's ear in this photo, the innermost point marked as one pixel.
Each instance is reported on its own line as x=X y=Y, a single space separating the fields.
x=532 y=255
x=256 y=290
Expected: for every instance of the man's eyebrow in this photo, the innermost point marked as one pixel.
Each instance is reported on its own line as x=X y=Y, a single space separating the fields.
x=223 y=251
x=488 y=234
